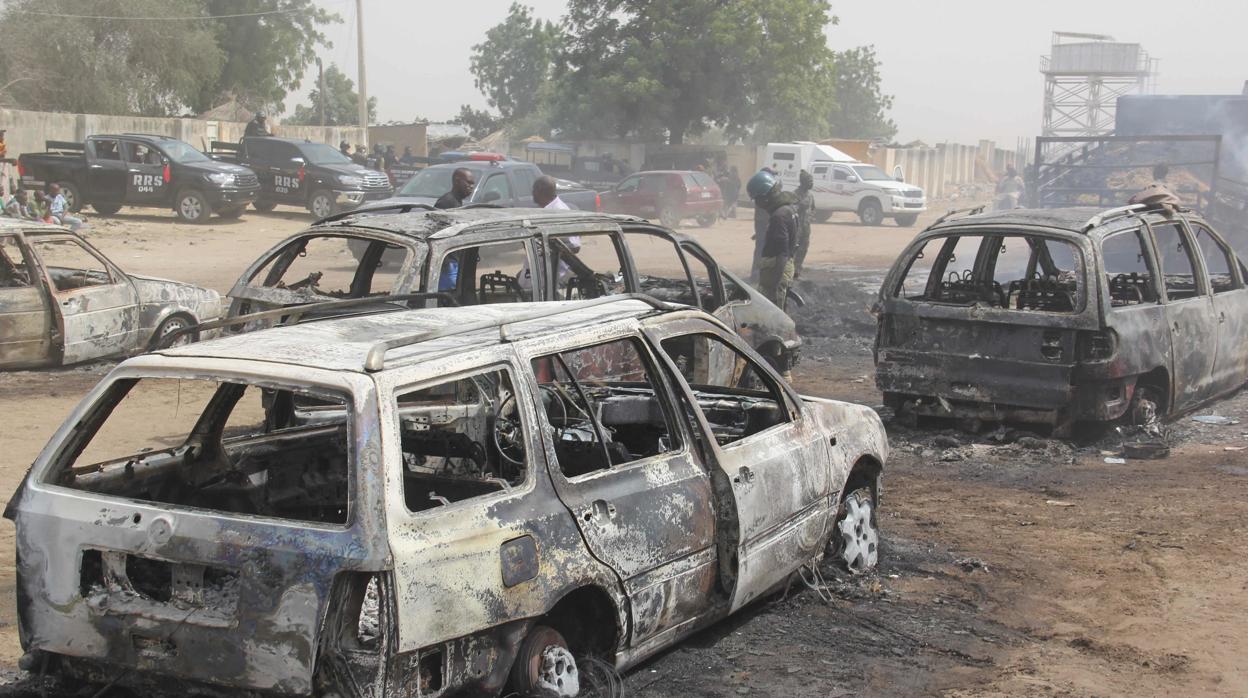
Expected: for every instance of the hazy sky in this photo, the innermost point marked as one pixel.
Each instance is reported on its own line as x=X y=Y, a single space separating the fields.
x=959 y=70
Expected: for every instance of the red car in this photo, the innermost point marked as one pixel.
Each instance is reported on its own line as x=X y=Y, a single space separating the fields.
x=669 y=195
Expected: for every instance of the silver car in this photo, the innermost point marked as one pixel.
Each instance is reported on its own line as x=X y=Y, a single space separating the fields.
x=63 y=302
x=429 y=502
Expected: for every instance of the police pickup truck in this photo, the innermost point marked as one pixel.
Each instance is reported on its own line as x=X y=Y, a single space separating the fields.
x=297 y=172
x=109 y=172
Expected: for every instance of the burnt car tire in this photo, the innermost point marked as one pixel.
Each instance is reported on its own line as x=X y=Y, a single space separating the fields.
x=870 y=212
x=544 y=665
x=235 y=212
x=321 y=203
x=172 y=324
x=106 y=209
x=73 y=197
x=906 y=220
x=192 y=206
x=263 y=206
x=856 y=534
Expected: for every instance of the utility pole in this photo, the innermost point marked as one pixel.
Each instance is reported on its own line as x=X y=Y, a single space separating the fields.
x=320 y=87
x=359 y=27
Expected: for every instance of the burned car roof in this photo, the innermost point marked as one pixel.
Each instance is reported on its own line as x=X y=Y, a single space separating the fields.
x=1079 y=219
x=421 y=224
x=344 y=343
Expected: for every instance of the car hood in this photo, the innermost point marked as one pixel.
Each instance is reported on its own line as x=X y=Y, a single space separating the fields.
x=892 y=185
x=394 y=200
x=216 y=166
x=350 y=169
x=204 y=302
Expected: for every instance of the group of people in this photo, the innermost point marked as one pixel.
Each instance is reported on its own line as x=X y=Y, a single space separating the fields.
x=48 y=206
x=781 y=231
x=382 y=158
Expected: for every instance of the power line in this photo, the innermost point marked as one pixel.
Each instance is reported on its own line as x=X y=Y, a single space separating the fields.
x=160 y=19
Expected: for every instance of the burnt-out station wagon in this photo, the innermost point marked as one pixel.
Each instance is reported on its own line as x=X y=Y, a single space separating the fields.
x=424 y=502
x=491 y=255
x=1058 y=316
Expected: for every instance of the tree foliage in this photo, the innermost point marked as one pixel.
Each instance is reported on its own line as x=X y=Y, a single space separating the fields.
x=515 y=60
x=860 y=109
x=480 y=122
x=342 y=103
x=54 y=59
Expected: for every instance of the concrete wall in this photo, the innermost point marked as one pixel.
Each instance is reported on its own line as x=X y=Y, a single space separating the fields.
x=28 y=130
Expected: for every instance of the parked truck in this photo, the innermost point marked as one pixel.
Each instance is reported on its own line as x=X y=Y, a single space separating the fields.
x=111 y=171
x=845 y=184
x=302 y=173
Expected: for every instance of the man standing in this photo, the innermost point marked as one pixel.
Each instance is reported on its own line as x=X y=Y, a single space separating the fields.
x=546 y=195
x=409 y=158
x=258 y=126
x=805 y=211
x=775 y=264
x=1009 y=192
x=760 y=226
x=344 y=148
x=462 y=184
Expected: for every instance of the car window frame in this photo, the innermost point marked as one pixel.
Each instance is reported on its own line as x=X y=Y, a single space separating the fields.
x=1144 y=237
x=34 y=273
x=1200 y=276
x=439 y=253
x=1227 y=251
x=115 y=275
x=429 y=376
x=95 y=153
x=619 y=188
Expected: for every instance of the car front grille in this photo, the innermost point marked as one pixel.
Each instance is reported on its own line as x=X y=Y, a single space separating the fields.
x=376 y=181
x=913 y=193
x=246 y=181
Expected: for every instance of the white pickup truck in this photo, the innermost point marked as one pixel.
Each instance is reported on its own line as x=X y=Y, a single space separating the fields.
x=845 y=184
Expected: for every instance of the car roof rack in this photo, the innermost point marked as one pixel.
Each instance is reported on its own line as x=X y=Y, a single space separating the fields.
x=385 y=208
x=959 y=212
x=294 y=314
x=376 y=358
x=1129 y=210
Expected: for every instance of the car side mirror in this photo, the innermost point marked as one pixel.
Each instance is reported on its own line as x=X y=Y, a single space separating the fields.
x=297 y=160
x=491 y=196
x=851 y=179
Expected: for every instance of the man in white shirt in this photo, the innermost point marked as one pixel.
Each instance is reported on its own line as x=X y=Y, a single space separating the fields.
x=546 y=195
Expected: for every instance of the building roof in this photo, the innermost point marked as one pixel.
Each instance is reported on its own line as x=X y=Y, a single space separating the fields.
x=344 y=343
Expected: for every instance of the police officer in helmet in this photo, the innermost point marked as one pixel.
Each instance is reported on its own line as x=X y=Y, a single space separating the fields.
x=778 y=225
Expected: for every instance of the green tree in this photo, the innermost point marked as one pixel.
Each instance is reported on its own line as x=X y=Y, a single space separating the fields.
x=480 y=122
x=106 y=66
x=342 y=103
x=860 y=109
x=515 y=60
x=670 y=69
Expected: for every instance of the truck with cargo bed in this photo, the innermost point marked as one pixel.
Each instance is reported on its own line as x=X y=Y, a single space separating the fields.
x=111 y=171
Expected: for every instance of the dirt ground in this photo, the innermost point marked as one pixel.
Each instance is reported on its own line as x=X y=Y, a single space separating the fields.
x=1012 y=565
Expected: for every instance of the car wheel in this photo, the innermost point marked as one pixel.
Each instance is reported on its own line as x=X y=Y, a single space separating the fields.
x=870 y=212
x=235 y=212
x=857 y=534
x=544 y=665
x=73 y=199
x=106 y=209
x=906 y=220
x=669 y=217
x=263 y=206
x=193 y=207
x=707 y=220
x=322 y=203
x=172 y=324
x=822 y=216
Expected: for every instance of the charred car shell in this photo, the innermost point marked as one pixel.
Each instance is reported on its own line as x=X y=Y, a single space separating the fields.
x=1058 y=316
x=398 y=503
x=63 y=302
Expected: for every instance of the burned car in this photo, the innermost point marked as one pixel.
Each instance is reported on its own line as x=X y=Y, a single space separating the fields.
x=1060 y=316
x=424 y=502
x=63 y=302
x=491 y=255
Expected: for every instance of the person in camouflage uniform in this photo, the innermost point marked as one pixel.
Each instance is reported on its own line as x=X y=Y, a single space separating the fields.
x=805 y=212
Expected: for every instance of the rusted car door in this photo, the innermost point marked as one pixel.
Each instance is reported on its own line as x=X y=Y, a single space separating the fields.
x=776 y=500
x=25 y=316
x=624 y=463
x=1190 y=315
x=97 y=306
x=1230 y=303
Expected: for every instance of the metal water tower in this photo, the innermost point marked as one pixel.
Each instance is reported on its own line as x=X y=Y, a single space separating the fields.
x=1084 y=75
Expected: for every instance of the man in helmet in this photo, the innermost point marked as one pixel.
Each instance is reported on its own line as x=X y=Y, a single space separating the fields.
x=258 y=126
x=779 y=234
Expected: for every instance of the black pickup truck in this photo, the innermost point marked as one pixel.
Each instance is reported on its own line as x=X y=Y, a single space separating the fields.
x=303 y=173
x=109 y=172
